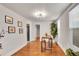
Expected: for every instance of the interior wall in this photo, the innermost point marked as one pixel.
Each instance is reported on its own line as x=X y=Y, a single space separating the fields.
x=65 y=33
x=12 y=41
x=44 y=28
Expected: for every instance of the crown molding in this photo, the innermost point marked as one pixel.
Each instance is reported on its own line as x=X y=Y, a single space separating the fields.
x=68 y=9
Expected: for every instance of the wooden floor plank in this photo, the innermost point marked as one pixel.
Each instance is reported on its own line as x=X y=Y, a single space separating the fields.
x=34 y=49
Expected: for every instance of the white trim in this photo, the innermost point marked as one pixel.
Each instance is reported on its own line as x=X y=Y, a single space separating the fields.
x=61 y=47
x=15 y=50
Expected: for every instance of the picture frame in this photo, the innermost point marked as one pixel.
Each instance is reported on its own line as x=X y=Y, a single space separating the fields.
x=8 y=19
x=20 y=30
x=19 y=24
x=11 y=29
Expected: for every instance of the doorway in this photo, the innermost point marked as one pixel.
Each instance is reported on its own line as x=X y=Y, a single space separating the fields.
x=28 y=32
x=37 y=31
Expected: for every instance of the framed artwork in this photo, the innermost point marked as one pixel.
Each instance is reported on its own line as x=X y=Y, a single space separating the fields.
x=20 y=30
x=8 y=19
x=11 y=29
x=19 y=24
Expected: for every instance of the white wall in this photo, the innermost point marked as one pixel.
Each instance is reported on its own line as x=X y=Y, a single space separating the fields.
x=44 y=28
x=12 y=41
x=65 y=39
x=64 y=32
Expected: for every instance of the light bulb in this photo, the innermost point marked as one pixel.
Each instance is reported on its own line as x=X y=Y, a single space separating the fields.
x=40 y=14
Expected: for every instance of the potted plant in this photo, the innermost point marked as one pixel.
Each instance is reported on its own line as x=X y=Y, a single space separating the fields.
x=70 y=52
x=54 y=30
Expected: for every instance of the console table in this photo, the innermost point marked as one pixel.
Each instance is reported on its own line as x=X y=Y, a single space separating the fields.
x=46 y=44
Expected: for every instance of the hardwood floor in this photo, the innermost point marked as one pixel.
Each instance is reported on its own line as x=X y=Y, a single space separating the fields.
x=34 y=49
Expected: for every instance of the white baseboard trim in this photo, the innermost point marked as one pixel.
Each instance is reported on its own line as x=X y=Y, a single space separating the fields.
x=15 y=50
x=61 y=47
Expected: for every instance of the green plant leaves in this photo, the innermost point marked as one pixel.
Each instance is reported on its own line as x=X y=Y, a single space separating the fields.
x=53 y=29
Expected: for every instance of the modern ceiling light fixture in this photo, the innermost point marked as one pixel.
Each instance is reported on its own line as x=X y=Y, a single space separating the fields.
x=40 y=14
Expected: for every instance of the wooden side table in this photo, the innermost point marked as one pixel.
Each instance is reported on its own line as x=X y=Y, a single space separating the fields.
x=46 y=45
x=43 y=45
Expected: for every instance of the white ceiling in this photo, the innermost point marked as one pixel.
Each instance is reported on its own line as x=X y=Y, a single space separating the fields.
x=27 y=9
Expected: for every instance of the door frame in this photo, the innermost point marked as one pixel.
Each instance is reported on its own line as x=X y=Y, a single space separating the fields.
x=28 y=31
x=37 y=34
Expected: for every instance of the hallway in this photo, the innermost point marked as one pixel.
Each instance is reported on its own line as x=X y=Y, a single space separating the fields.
x=34 y=49
x=59 y=20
